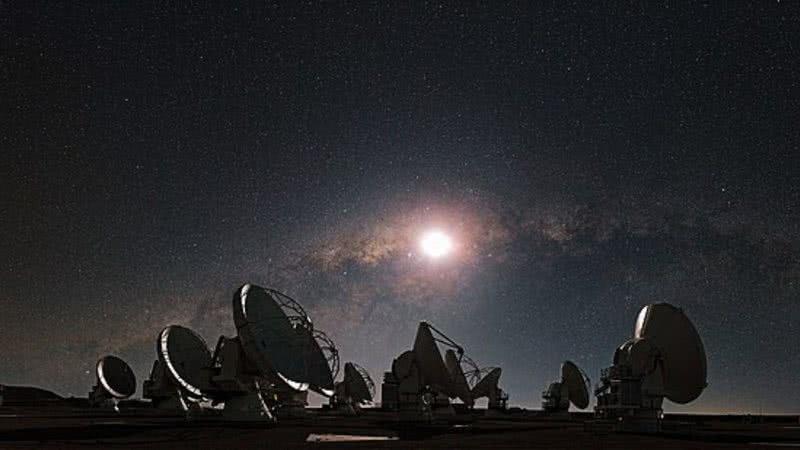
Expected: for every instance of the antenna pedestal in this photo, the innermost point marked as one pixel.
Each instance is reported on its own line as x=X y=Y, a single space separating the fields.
x=161 y=391
x=229 y=374
x=345 y=409
x=390 y=395
x=286 y=402
x=556 y=398
x=632 y=402
x=343 y=403
x=498 y=400
x=232 y=380
x=411 y=400
x=99 y=398
x=247 y=407
x=247 y=395
x=340 y=401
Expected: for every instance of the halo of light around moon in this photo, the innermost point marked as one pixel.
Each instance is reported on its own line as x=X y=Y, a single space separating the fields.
x=436 y=244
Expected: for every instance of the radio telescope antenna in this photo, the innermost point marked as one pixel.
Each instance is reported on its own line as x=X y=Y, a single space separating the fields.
x=665 y=359
x=572 y=387
x=115 y=381
x=578 y=384
x=278 y=343
x=177 y=373
x=483 y=382
x=276 y=357
x=357 y=389
x=361 y=392
x=488 y=387
x=421 y=382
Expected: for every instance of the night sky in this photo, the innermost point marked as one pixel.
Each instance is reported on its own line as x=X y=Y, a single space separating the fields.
x=585 y=159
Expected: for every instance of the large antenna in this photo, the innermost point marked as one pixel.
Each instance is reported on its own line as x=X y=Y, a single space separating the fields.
x=275 y=359
x=665 y=359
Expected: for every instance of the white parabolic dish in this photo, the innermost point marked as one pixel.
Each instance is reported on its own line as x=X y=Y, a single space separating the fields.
x=277 y=347
x=116 y=377
x=667 y=329
x=185 y=354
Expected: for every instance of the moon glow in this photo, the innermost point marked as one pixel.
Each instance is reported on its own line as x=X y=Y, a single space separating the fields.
x=436 y=244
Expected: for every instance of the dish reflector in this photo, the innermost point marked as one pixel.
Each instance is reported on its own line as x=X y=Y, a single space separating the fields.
x=429 y=361
x=116 y=377
x=487 y=383
x=403 y=365
x=460 y=385
x=317 y=366
x=667 y=329
x=329 y=352
x=356 y=384
x=185 y=354
x=576 y=383
x=282 y=348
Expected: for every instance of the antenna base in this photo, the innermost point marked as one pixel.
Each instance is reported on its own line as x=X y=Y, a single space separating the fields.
x=248 y=407
x=633 y=402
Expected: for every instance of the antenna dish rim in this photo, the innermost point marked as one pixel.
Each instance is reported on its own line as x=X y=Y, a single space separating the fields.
x=164 y=355
x=104 y=380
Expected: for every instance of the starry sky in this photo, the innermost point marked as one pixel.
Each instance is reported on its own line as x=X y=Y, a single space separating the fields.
x=586 y=159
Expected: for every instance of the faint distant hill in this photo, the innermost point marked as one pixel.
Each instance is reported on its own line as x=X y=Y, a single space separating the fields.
x=27 y=395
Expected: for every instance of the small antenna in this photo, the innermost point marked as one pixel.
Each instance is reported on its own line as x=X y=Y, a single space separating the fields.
x=177 y=374
x=421 y=382
x=573 y=387
x=115 y=381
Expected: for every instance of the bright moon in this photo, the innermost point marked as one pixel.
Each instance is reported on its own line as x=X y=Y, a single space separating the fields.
x=436 y=244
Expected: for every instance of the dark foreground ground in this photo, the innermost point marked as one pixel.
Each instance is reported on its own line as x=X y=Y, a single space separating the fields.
x=80 y=428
